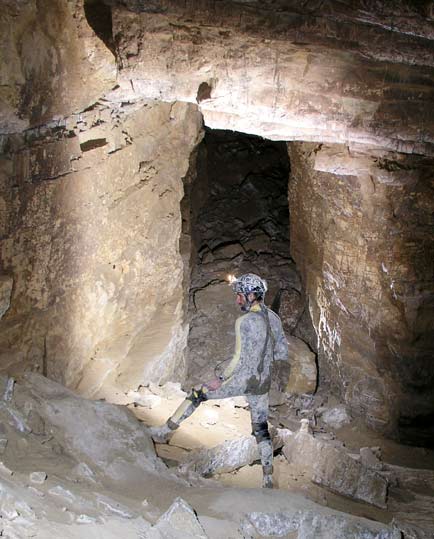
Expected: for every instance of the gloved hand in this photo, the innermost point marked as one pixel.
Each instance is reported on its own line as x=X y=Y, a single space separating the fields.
x=213 y=385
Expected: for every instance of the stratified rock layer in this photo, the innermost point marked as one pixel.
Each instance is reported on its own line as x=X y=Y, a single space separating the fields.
x=287 y=70
x=91 y=241
x=53 y=63
x=361 y=234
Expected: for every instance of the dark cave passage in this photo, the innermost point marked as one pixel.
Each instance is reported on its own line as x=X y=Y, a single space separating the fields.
x=239 y=223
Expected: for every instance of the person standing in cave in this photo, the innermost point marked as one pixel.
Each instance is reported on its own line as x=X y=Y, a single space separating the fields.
x=259 y=340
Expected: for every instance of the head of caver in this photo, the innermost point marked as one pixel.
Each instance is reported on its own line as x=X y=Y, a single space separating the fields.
x=250 y=289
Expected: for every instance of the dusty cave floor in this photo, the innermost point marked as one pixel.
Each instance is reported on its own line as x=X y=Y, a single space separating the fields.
x=410 y=492
x=75 y=468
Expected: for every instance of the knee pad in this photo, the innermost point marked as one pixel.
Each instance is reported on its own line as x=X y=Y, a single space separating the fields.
x=260 y=431
x=171 y=424
x=197 y=396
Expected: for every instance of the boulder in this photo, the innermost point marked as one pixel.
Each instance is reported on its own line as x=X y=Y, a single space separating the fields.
x=303 y=377
x=333 y=468
x=83 y=428
x=314 y=525
x=230 y=455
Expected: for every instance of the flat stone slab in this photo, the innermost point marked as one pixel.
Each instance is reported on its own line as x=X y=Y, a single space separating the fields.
x=230 y=455
x=333 y=468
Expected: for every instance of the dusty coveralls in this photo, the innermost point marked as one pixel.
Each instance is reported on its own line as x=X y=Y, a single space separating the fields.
x=259 y=339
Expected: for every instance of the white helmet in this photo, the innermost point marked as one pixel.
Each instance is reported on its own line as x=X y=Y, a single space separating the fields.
x=250 y=282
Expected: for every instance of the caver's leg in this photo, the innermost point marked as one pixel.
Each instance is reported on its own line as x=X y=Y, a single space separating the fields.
x=163 y=433
x=259 y=413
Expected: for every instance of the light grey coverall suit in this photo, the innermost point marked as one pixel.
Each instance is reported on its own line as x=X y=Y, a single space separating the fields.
x=259 y=339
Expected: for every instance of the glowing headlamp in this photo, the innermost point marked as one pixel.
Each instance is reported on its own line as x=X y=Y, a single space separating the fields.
x=231 y=279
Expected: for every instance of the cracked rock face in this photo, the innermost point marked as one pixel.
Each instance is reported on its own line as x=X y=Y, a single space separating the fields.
x=307 y=525
x=361 y=235
x=286 y=70
x=52 y=56
x=92 y=242
x=334 y=469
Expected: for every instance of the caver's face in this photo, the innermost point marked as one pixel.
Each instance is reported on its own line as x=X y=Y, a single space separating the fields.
x=242 y=302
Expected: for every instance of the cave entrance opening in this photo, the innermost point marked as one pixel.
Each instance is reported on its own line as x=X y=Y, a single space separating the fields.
x=238 y=217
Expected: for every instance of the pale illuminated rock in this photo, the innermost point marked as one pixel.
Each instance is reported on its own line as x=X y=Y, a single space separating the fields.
x=334 y=469
x=303 y=373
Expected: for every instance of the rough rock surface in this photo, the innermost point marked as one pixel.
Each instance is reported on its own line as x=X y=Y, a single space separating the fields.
x=89 y=207
x=75 y=501
x=284 y=70
x=309 y=525
x=54 y=63
x=83 y=427
x=336 y=417
x=91 y=241
x=333 y=468
x=361 y=234
x=417 y=506
x=303 y=374
x=231 y=455
x=178 y=522
x=6 y=284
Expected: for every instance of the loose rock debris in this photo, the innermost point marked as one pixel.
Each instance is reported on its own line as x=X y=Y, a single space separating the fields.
x=91 y=471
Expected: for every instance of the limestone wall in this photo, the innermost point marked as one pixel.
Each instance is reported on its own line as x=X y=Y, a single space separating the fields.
x=361 y=235
x=52 y=63
x=91 y=240
x=319 y=71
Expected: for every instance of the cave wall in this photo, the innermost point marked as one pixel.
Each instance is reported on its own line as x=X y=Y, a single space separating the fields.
x=91 y=242
x=361 y=234
x=52 y=63
x=288 y=70
x=360 y=76
x=90 y=268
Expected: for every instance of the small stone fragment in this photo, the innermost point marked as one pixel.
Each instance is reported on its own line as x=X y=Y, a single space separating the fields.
x=9 y=390
x=3 y=438
x=85 y=519
x=38 y=478
x=179 y=522
x=112 y=507
x=61 y=492
x=4 y=470
x=304 y=425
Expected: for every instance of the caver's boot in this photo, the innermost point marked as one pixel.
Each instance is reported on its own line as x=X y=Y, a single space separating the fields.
x=163 y=433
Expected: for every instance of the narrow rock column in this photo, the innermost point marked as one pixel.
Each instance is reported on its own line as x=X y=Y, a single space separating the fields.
x=361 y=235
